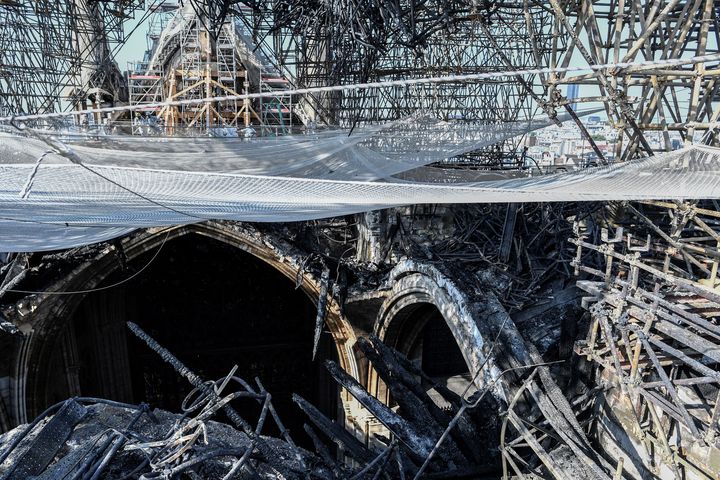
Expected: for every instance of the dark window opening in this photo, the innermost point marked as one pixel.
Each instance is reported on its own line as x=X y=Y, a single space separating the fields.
x=441 y=356
x=425 y=338
x=213 y=306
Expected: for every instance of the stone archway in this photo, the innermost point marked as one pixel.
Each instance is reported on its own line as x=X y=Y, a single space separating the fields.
x=52 y=311
x=420 y=293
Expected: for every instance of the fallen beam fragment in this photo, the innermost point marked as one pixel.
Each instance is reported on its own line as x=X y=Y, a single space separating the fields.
x=335 y=432
x=417 y=442
x=46 y=444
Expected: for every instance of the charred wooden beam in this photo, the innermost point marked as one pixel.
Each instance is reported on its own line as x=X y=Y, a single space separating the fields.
x=508 y=231
x=415 y=404
x=393 y=356
x=46 y=444
x=321 y=308
x=322 y=450
x=336 y=433
x=418 y=440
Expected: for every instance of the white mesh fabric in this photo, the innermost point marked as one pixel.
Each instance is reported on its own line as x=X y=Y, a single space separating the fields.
x=126 y=183
x=370 y=153
x=70 y=206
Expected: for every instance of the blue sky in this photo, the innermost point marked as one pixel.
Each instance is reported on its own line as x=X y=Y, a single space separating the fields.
x=134 y=48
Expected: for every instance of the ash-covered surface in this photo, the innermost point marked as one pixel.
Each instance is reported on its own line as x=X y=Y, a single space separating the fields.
x=150 y=435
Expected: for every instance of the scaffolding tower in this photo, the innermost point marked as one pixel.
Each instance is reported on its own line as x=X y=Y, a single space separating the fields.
x=145 y=87
x=201 y=62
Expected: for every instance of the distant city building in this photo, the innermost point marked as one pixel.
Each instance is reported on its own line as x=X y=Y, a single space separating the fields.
x=573 y=92
x=547 y=158
x=568 y=147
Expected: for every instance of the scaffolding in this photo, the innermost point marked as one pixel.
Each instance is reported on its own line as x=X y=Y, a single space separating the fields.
x=318 y=44
x=638 y=99
x=207 y=67
x=275 y=51
x=323 y=47
x=203 y=59
x=653 y=338
x=55 y=55
x=145 y=87
x=227 y=72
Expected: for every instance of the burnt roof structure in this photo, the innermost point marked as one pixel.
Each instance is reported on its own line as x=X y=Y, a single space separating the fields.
x=337 y=203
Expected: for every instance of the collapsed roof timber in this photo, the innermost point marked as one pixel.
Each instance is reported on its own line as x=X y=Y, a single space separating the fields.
x=157 y=320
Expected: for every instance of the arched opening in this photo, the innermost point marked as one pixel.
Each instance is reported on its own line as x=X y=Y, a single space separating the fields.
x=214 y=306
x=420 y=331
x=419 y=289
x=429 y=319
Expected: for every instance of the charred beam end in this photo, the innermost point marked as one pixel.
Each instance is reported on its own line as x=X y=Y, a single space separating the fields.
x=320 y=447
x=418 y=445
x=334 y=432
x=8 y=327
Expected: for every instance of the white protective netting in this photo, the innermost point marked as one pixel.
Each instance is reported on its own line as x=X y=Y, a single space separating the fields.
x=370 y=153
x=70 y=205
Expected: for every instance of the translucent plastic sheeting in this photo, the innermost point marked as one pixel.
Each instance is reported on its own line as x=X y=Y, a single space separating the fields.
x=366 y=154
x=69 y=205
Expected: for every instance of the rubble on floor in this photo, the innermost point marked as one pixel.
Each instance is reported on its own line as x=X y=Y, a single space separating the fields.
x=88 y=438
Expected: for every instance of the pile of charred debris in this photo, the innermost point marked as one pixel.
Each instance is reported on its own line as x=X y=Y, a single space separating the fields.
x=533 y=409
x=91 y=438
x=429 y=432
